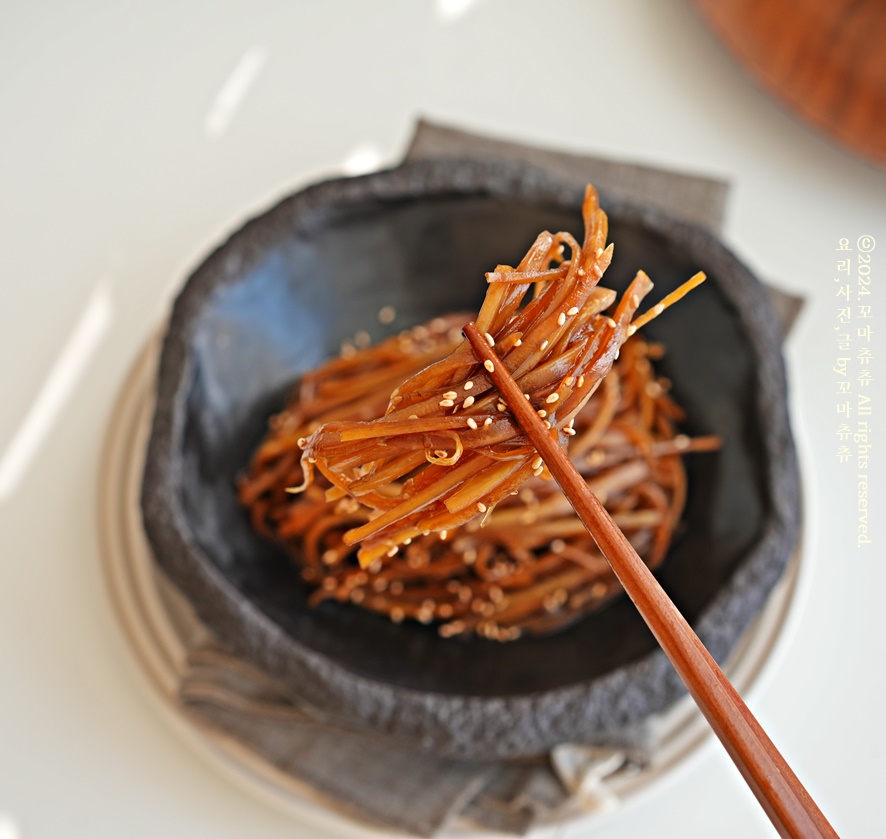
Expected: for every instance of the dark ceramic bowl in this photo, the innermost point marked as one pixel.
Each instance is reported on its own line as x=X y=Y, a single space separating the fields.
x=285 y=291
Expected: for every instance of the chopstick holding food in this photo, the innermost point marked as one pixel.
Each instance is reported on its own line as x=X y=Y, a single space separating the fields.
x=785 y=800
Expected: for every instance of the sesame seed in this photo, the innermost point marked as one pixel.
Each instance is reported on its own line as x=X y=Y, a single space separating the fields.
x=468 y=384
x=489 y=366
x=501 y=406
x=450 y=394
x=386 y=314
x=481 y=506
x=487 y=421
x=572 y=311
x=312 y=460
x=537 y=462
x=552 y=398
x=561 y=318
x=536 y=473
x=444 y=535
x=570 y=381
x=544 y=344
x=302 y=441
x=542 y=412
x=558 y=546
x=527 y=396
x=611 y=322
x=446 y=403
x=329 y=557
x=361 y=339
x=658 y=308
x=518 y=342
x=357 y=595
x=581 y=381
x=468 y=402
x=413 y=416
x=397 y=614
x=489 y=339
x=472 y=423
x=599 y=252
x=581 y=272
x=681 y=441
x=393 y=551
x=631 y=330
x=569 y=432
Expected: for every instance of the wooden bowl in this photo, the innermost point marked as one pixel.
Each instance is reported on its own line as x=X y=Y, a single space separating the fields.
x=824 y=58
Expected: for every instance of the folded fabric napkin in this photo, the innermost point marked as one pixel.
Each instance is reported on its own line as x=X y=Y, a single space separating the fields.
x=394 y=786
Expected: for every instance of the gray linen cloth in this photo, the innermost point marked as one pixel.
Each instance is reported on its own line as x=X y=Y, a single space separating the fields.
x=392 y=786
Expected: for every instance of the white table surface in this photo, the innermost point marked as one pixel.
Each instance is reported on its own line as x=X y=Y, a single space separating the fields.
x=126 y=151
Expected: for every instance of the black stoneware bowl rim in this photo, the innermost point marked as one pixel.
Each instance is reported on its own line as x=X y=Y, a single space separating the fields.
x=444 y=723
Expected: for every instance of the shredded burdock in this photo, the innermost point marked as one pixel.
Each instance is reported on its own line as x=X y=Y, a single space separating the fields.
x=432 y=505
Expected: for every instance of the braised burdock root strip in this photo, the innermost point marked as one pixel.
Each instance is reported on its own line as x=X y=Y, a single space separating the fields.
x=441 y=511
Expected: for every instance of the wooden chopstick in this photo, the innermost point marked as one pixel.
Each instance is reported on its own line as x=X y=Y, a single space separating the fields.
x=785 y=800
